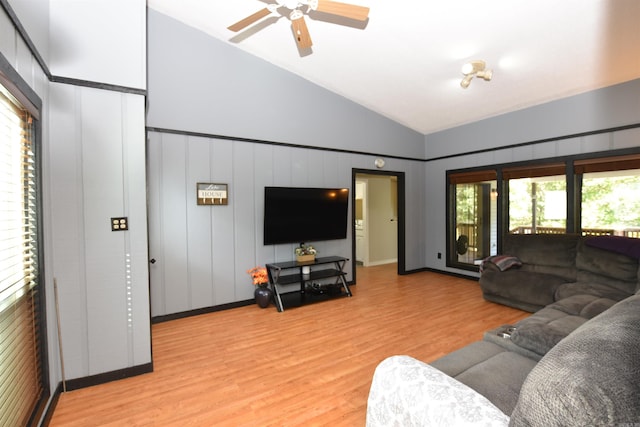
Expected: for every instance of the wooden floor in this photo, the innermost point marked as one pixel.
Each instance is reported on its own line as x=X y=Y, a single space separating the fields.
x=305 y=366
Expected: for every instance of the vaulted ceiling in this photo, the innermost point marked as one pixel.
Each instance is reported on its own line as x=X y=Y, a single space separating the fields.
x=405 y=61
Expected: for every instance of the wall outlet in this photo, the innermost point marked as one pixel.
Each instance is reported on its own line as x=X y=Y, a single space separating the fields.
x=439 y=255
x=119 y=224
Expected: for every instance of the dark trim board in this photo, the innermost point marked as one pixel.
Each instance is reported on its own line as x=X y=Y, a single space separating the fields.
x=538 y=141
x=89 y=381
x=425 y=160
x=447 y=273
x=19 y=88
x=267 y=142
x=107 y=377
x=97 y=85
x=205 y=310
x=53 y=402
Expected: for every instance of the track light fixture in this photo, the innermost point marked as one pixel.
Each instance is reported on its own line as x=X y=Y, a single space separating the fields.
x=473 y=69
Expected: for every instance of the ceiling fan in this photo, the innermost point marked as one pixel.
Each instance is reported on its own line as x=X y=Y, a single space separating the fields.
x=296 y=9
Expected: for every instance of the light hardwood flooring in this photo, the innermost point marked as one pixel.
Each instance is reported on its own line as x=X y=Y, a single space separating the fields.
x=305 y=366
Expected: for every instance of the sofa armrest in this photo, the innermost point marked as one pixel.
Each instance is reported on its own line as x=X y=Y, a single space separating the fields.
x=408 y=392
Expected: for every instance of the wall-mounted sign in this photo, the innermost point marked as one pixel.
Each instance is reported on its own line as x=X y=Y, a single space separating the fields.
x=212 y=194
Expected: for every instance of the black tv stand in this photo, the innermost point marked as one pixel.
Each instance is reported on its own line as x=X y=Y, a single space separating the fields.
x=290 y=272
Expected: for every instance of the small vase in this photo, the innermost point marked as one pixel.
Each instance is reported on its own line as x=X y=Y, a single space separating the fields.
x=263 y=295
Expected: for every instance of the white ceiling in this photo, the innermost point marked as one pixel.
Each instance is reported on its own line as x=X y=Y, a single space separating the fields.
x=405 y=63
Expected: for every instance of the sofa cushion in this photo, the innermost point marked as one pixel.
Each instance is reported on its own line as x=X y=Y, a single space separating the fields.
x=542 y=332
x=567 y=290
x=606 y=268
x=592 y=377
x=584 y=305
x=535 y=289
x=544 y=253
x=490 y=370
x=544 y=329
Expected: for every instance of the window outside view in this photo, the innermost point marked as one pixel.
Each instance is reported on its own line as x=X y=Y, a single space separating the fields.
x=476 y=221
x=611 y=203
x=538 y=205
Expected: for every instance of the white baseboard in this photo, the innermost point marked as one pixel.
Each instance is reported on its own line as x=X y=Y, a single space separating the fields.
x=381 y=262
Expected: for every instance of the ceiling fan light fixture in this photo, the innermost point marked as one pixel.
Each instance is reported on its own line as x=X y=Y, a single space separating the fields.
x=289 y=4
x=486 y=74
x=473 y=69
x=466 y=81
x=295 y=14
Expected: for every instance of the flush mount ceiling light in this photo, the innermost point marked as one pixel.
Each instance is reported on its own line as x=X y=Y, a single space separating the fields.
x=473 y=69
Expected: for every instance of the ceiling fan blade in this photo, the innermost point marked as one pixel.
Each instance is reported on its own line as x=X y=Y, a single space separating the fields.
x=351 y=11
x=249 y=20
x=301 y=33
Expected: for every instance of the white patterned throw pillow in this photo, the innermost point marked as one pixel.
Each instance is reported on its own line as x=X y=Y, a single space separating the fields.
x=407 y=392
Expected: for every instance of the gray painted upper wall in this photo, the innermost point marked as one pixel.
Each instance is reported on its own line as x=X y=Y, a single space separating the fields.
x=34 y=17
x=606 y=108
x=229 y=92
x=99 y=41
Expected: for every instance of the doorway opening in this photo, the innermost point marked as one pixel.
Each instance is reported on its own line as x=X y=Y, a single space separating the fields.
x=378 y=226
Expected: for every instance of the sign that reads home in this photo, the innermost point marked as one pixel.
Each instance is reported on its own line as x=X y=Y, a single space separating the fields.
x=212 y=194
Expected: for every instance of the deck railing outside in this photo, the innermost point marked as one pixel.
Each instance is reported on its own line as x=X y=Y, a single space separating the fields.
x=629 y=232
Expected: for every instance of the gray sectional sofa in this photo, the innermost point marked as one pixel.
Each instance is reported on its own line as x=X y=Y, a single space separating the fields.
x=555 y=266
x=574 y=362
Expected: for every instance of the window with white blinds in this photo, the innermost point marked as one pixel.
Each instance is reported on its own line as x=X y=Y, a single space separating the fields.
x=21 y=374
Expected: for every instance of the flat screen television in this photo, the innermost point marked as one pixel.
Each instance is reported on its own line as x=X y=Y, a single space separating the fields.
x=297 y=214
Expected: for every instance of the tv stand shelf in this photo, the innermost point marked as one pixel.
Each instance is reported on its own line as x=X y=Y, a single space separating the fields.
x=290 y=272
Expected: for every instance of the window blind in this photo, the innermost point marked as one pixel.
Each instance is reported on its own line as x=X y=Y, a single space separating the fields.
x=473 y=176
x=607 y=164
x=21 y=376
x=534 y=171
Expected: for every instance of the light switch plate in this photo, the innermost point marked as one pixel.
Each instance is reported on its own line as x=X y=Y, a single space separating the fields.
x=119 y=223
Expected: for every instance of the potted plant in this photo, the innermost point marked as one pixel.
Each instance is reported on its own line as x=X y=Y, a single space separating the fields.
x=260 y=279
x=305 y=253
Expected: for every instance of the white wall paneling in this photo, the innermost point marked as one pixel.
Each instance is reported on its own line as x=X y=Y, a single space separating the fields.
x=97 y=160
x=8 y=36
x=202 y=252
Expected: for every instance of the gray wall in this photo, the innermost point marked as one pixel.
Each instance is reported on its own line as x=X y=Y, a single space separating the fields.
x=93 y=168
x=201 y=84
x=34 y=17
x=96 y=171
x=616 y=106
x=203 y=252
x=94 y=165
